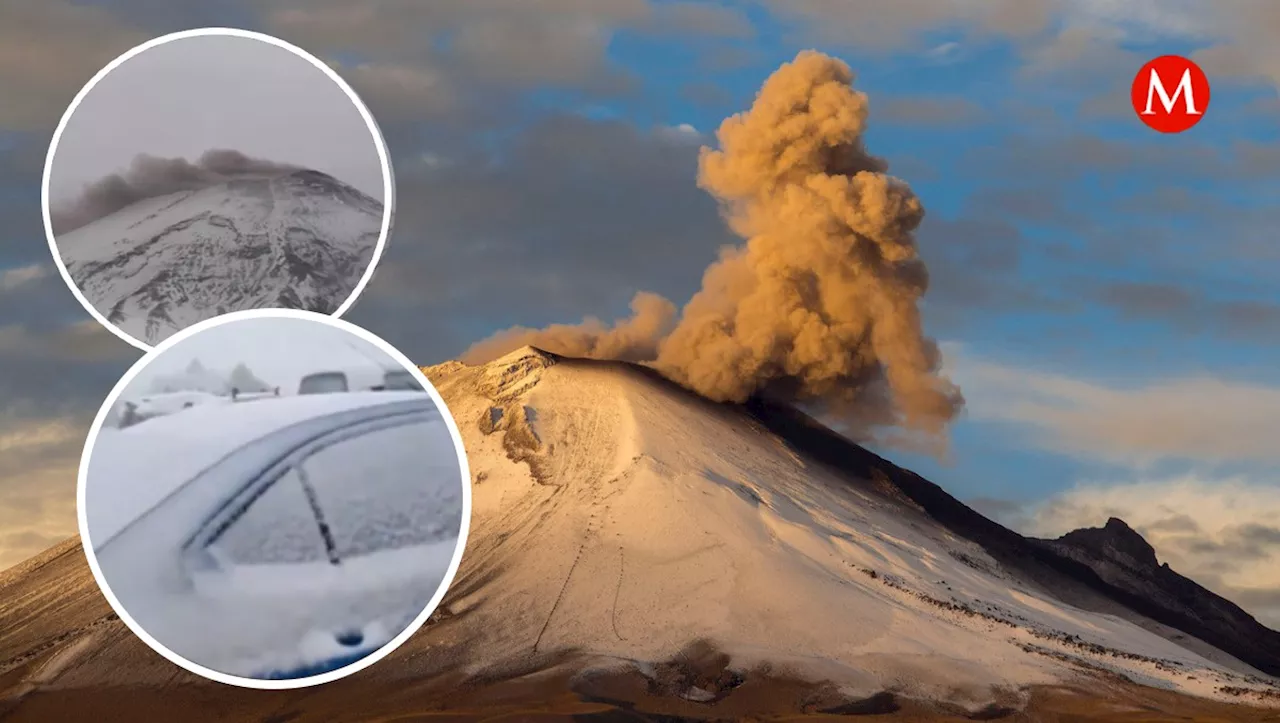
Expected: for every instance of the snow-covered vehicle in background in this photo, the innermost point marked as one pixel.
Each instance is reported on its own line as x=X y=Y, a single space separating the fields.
x=133 y=411
x=277 y=540
x=239 y=396
x=358 y=378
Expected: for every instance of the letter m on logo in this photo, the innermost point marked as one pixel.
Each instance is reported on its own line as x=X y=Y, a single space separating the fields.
x=1156 y=87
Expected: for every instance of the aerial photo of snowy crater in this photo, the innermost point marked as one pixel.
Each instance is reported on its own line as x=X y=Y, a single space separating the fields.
x=207 y=242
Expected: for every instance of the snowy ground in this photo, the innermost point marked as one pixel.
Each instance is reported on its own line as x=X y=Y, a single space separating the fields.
x=638 y=519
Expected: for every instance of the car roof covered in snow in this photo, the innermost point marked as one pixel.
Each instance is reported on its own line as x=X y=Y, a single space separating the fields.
x=133 y=469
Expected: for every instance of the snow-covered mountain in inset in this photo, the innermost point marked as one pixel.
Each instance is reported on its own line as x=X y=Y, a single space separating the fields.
x=298 y=240
x=636 y=546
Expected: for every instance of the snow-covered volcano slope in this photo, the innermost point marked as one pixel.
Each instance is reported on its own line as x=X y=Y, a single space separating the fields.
x=621 y=518
x=620 y=522
x=299 y=240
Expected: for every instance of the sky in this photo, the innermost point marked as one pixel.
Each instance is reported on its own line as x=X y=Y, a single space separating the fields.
x=279 y=351
x=188 y=96
x=1106 y=296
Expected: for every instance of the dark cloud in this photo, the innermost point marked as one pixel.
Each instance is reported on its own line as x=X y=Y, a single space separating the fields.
x=907 y=24
x=976 y=243
x=151 y=177
x=1078 y=155
x=1192 y=311
x=1234 y=546
x=943 y=111
x=1042 y=206
x=1258 y=534
x=1148 y=299
x=701 y=20
x=1177 y=524
x=157 y=17
x=1082 y=57
x=493 y=44
x=21 y=164
x=1190 y=222
x=568 y=219
x=974 y=263
x=706 y=94
x=51 y=49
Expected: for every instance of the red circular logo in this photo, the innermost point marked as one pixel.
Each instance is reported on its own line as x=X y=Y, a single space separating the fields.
x=1170 y=94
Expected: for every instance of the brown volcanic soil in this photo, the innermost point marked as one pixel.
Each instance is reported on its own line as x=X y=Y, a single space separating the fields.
x=555 y=694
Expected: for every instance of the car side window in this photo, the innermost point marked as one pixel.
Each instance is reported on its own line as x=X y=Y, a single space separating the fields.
x=388 y=488
x=279 y=527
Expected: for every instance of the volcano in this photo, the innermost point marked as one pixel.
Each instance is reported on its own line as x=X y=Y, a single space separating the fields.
x=637 y=549
x=295 y=240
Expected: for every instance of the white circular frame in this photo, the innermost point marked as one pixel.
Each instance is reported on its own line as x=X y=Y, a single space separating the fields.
x=256 y=683
x=379 y=142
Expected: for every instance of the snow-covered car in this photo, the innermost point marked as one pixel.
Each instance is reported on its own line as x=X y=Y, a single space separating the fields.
x=401 y=380
x=277 y=540
x=358 y=379
x=157 y=405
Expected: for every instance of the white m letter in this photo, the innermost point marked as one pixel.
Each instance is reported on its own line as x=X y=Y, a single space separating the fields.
x=1155 y=87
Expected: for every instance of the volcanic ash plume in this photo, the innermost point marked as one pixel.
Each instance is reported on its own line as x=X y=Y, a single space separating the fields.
x=820 y=306
x=149 y=177
x=635 y=339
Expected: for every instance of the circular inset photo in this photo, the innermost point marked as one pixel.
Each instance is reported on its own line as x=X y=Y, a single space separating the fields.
x=212 y=171
x=274 y=498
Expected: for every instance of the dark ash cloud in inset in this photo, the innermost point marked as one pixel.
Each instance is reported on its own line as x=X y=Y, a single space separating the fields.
x=212 y=91
x=152 y=177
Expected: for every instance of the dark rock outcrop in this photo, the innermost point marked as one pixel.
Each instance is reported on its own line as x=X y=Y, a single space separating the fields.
x=1126 y=561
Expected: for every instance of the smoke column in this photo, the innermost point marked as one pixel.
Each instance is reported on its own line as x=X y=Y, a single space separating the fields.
x=149 y=177
x=820 y=305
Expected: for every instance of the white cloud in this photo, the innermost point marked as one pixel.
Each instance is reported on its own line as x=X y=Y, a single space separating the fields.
x=80 y=341
x=1222 y=533
x=944 y=53
x=1142 y=18
x=1192 y=419
x=400 y=91
x=39 y=434
x=1237 y=36
x=681 y=133
x=20 y=276
x=39 y=458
